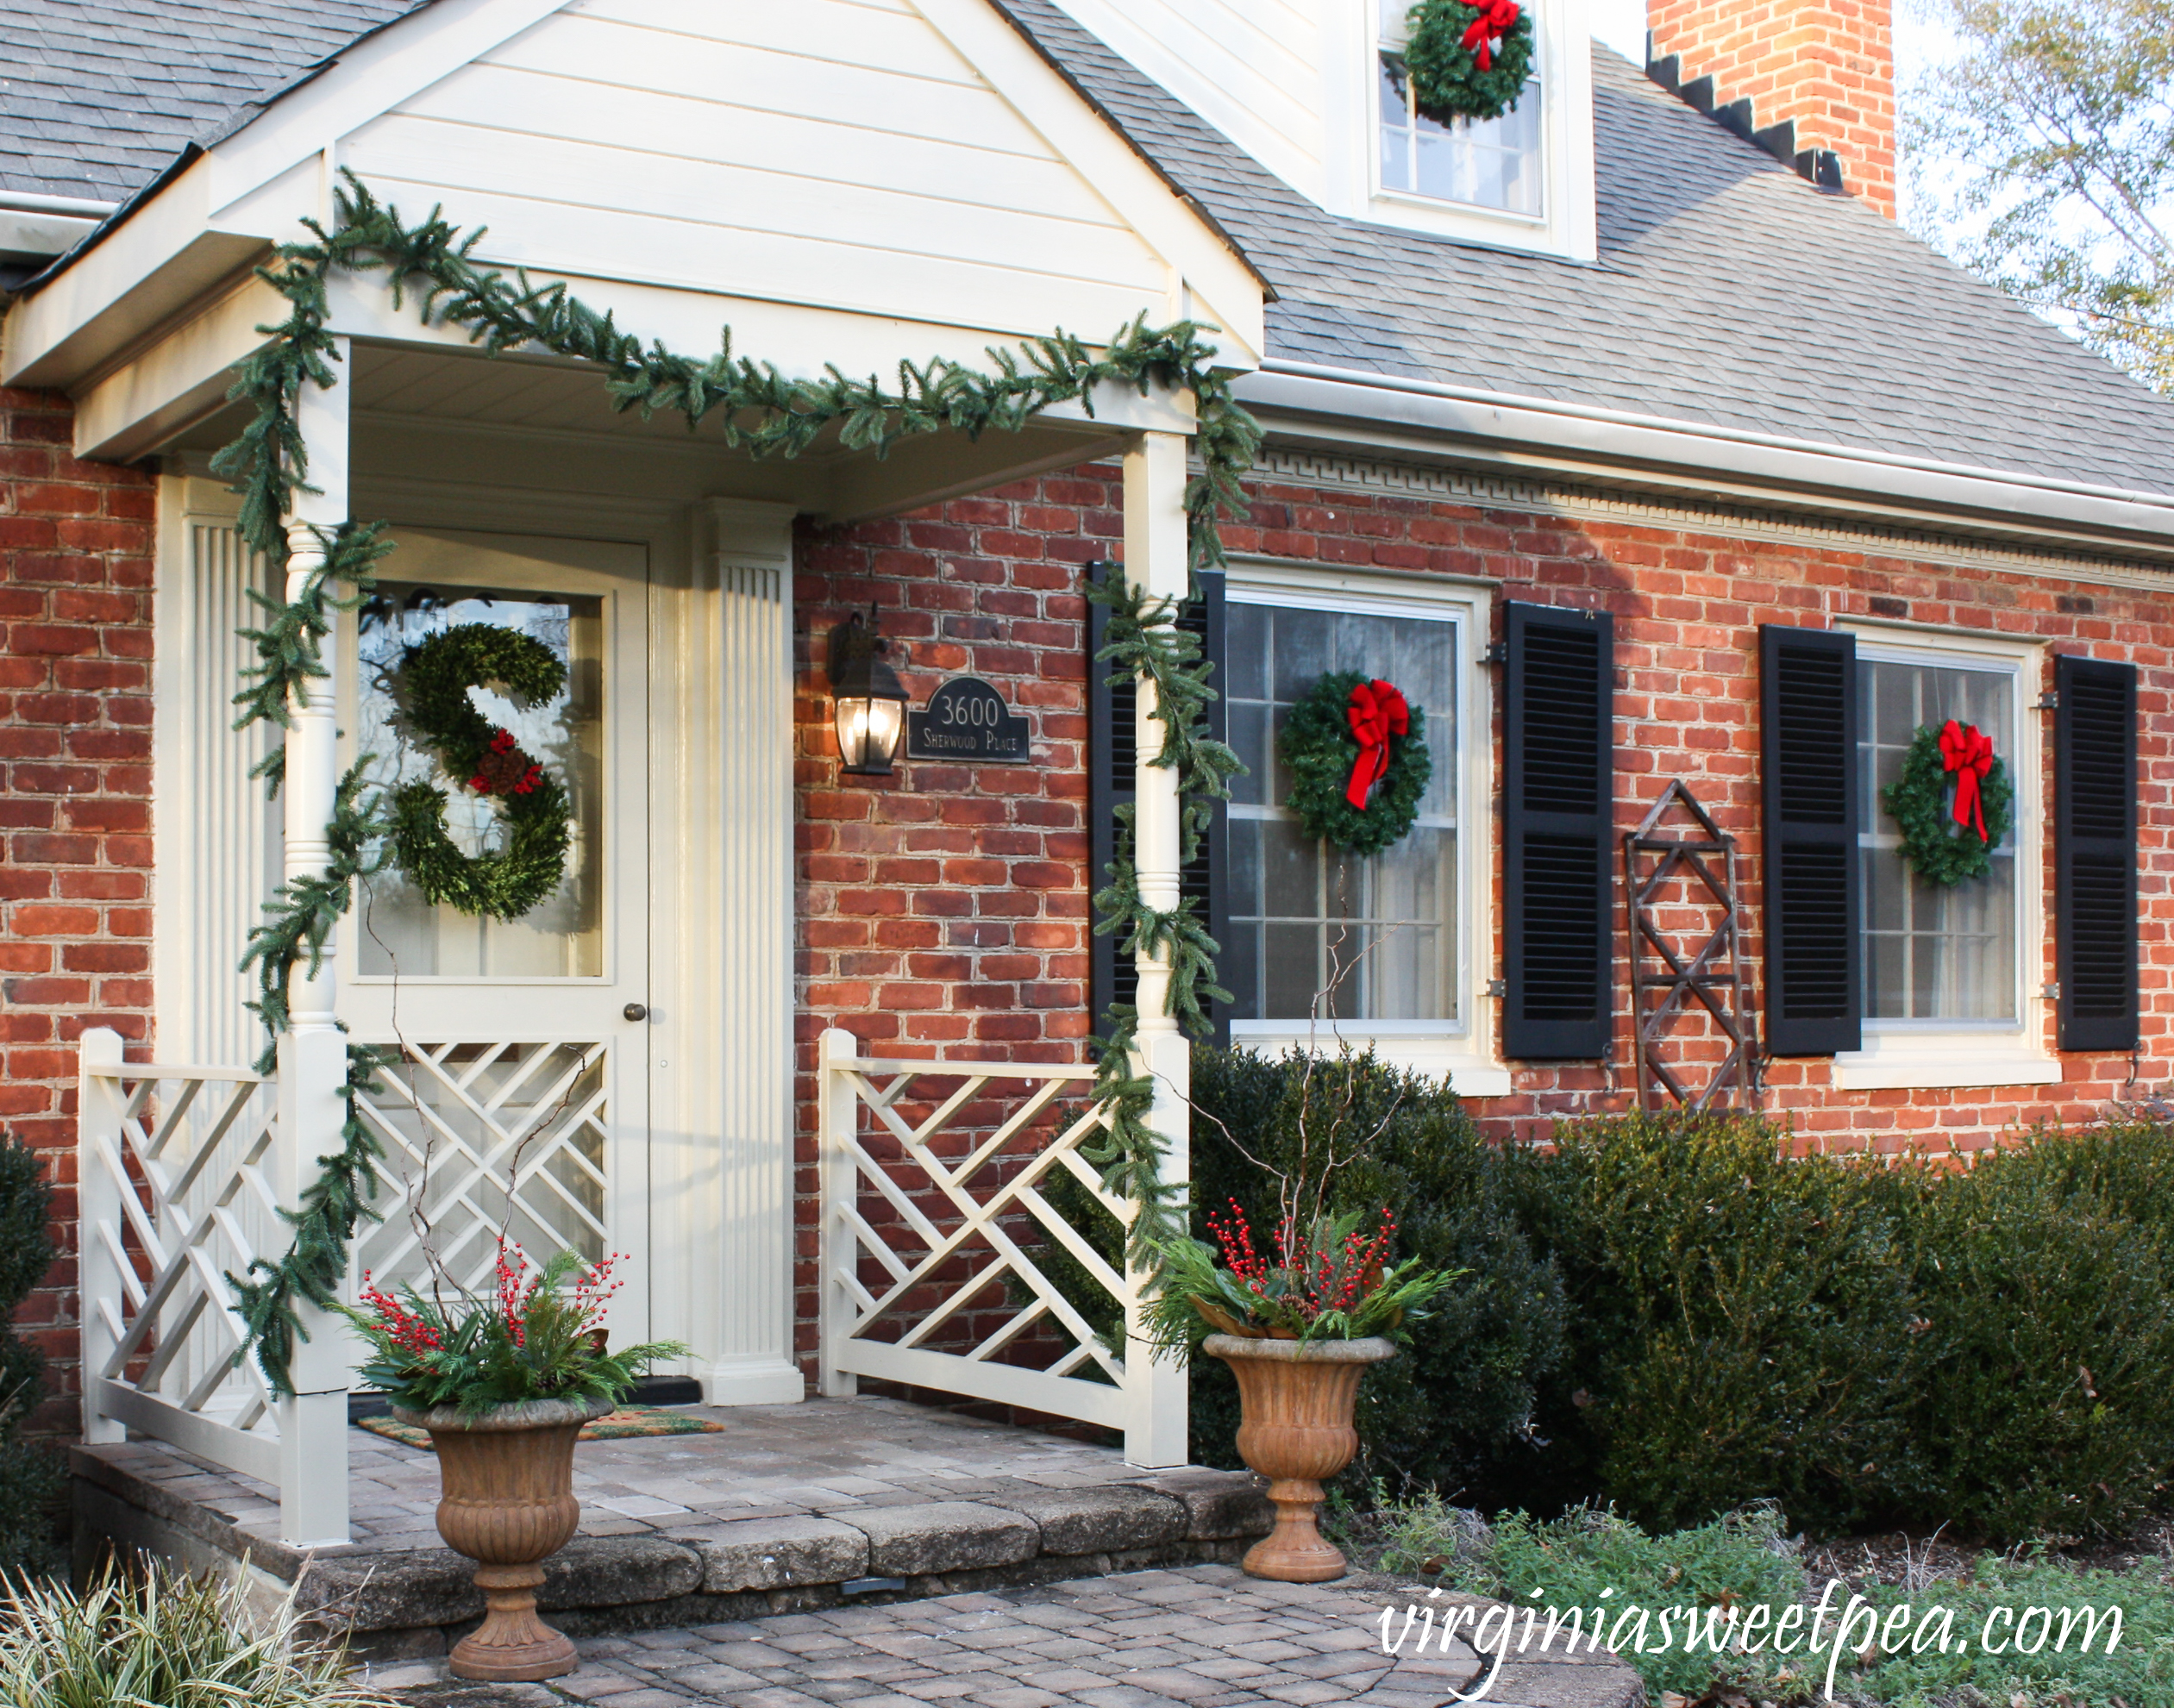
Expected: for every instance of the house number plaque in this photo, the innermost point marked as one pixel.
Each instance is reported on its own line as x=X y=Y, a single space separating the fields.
x=966 y=719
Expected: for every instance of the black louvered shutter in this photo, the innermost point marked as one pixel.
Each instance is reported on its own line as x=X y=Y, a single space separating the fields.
x=1109 y=745
x=1558 y=824
x=1809 y=761
x=2094 y=852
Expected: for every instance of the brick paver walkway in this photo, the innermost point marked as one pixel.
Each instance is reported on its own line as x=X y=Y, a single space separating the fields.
x=1204 y=1637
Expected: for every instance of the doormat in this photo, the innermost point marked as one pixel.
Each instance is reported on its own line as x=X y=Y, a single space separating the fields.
x=629 y=1421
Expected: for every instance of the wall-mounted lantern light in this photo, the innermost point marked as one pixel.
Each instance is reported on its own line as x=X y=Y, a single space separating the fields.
x=869 y=702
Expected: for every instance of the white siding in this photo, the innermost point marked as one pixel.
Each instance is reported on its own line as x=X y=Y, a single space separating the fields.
x=1257 y=70
x=833 y=153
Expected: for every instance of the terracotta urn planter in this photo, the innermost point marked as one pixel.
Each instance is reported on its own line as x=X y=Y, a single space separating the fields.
x=1295 y=1400
x=506 y=1482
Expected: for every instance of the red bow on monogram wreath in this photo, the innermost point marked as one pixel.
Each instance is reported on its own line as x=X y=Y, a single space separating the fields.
x=1376 y=712
x=1968 y=752
x=1497 y=19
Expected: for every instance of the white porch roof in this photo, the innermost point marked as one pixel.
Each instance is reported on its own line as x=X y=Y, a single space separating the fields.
x=856 y=182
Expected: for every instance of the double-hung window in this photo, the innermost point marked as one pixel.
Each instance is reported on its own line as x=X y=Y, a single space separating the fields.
x=1948 y=973
x=1321 y=946
x=1493 y=164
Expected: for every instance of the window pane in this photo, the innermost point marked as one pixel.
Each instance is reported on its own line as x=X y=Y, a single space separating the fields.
x=1382 y=931
x=1934 y=954
x=562 y=936
x=1492 y=164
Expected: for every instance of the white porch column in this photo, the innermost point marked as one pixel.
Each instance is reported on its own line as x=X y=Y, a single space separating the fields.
x=313 y=1063
x=98 y=1106
x=1154 y=562
x=838 y=1123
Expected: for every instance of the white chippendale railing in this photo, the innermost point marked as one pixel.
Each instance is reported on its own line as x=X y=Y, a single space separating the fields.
x=937 y=1228
x=181 y=1180
x=174 y=1184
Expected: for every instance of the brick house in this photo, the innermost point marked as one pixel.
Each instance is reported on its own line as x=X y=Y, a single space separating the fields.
x=1626 y=432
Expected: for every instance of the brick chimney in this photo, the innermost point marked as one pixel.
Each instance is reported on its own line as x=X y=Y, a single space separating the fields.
x=1810 y=81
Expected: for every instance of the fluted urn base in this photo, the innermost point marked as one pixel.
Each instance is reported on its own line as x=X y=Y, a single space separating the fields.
x=506 y=1502
x=1296 y=1407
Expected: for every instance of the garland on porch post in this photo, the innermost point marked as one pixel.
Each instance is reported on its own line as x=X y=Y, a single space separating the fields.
x=770 y=413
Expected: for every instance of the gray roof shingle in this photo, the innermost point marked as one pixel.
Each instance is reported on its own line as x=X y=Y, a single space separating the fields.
x=1728 y=291
x=97 y=95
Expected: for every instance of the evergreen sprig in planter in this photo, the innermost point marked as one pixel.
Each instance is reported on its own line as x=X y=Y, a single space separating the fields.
x=1299 y=1325
x=503 y=1385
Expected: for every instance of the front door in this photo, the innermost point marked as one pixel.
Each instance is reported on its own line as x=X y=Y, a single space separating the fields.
x=517 y=1106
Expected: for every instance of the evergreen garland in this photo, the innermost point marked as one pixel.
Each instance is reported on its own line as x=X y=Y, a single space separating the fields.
x=769 y=414
x=1317 y=747
x=333 y=1207
x=434 y=679
x=1456 y=71
x=298 y=919
x=1142 y=638
x=1940 y=851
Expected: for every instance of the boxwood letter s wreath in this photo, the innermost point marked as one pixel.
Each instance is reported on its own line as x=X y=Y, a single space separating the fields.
x=434 y=681
x=1468 y=61
x=1358 y=760
x=1946 y=845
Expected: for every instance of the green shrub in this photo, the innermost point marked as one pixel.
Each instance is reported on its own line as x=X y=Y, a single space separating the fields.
x=1456 y=1411
x=1742 y=1322
x=2137 y=1672
x=2045 y=1397
x=131 y=1642
x=1673 y=1315
x=30 y=1471
x=1591 y=1559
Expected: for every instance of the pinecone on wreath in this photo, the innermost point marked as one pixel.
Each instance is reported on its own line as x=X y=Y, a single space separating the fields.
x=505 y=769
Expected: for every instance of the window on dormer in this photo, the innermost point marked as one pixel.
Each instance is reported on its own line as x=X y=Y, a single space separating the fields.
x=1494 y=163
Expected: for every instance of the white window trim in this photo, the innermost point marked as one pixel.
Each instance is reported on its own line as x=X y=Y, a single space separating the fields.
x=1465 y=1048
x=1352 y=124
x=1922 y=1055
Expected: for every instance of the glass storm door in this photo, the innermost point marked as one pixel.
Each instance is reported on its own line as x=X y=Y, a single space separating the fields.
x=518 y=1101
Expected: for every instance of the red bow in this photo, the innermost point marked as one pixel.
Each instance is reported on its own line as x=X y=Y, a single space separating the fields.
x=1497 y=19
x=1969 y=753
x=1376 y=712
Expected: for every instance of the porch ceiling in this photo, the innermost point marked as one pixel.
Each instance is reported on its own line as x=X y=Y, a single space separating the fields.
x=514 y=422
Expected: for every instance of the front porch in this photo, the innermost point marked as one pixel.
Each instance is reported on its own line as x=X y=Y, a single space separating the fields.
x=788 y=1508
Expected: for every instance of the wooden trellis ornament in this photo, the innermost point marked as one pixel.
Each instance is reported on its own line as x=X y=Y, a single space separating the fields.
x=1714 y=976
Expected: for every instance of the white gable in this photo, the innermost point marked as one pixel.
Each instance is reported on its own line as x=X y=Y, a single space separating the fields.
x=912 y=163
x=835 y=153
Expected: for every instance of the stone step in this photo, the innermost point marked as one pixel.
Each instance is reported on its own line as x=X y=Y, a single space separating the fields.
x=677 y=1563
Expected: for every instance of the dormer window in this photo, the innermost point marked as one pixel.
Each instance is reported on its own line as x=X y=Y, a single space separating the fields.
x=1494 y=163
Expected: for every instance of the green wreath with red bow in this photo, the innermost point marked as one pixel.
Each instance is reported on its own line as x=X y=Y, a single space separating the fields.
x=1953 y=803
x=1357 y=753
x=1467 y=59
x=432 y=684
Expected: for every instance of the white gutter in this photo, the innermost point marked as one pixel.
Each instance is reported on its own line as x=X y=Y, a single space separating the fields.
x=73 y=207
x=1716 y=459
x=35 y=228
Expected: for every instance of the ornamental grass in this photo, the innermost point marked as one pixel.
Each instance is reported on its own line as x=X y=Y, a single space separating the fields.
x=156 y=1639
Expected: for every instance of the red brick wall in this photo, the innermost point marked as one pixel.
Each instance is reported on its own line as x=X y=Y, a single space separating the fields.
x=945 y=907
x=1687 y=606
x=75 y=809
x=1828 y=66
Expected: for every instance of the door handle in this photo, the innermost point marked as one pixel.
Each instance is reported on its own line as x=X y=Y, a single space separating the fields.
x=635 y=1011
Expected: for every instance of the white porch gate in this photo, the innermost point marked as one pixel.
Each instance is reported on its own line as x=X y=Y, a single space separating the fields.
x=946 y=1266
